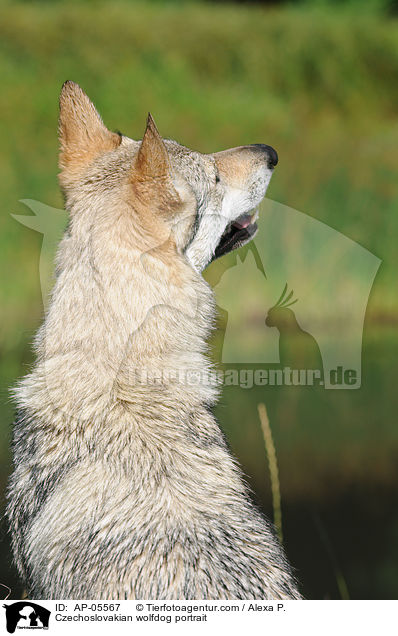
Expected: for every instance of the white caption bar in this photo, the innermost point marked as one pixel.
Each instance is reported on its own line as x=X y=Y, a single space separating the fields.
x=207 y=617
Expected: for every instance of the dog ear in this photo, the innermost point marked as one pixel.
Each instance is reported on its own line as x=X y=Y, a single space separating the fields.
x=152 y=160
x=82 y=133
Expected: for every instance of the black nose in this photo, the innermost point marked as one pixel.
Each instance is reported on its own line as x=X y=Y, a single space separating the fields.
x=270 y=152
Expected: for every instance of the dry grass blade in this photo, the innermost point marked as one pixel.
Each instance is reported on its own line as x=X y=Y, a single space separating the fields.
x=273 y=468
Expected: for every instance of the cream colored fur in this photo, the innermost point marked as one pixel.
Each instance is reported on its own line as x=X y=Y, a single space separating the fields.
x=124 y=487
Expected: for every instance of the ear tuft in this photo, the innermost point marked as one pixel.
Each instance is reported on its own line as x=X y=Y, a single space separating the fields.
x=152 y=160
x=82 y=133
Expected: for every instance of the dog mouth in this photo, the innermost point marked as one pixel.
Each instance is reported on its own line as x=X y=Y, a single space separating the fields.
x=236 y=234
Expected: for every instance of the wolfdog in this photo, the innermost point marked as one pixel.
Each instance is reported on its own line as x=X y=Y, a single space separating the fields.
x=123 y=486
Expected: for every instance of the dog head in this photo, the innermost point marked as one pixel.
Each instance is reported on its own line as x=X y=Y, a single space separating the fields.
x=205 y=204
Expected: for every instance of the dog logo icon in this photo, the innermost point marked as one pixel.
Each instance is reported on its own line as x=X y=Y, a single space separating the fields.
x=26 y=615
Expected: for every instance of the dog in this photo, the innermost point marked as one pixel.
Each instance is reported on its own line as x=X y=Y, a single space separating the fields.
x=123 y=487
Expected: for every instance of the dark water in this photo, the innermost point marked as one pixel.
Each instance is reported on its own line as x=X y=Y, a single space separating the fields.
x=338 y=467
x=337 y=453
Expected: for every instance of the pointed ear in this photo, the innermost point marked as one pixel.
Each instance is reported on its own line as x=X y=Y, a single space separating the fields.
x=152 y=159
x=82 y=133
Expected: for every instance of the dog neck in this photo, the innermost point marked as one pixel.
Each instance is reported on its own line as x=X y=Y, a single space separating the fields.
x=122 y=322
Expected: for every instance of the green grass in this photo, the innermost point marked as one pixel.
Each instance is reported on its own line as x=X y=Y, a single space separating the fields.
x=318 y=85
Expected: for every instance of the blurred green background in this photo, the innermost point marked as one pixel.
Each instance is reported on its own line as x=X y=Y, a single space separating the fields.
x=316 y=80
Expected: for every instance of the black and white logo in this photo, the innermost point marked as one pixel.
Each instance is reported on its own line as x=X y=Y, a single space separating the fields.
x=26 y=615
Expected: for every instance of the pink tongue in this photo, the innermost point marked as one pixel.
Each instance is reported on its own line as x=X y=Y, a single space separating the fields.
x=242 y=222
